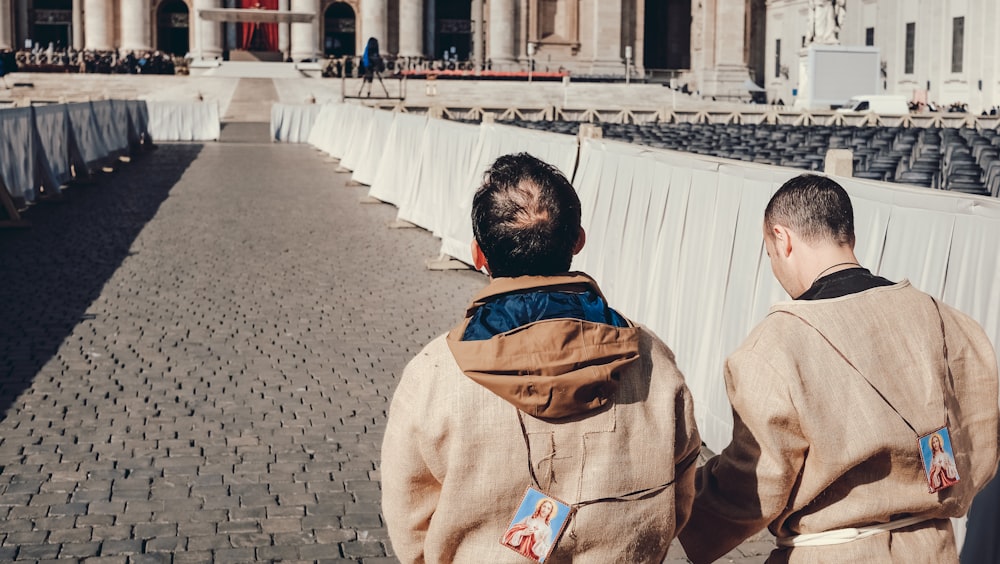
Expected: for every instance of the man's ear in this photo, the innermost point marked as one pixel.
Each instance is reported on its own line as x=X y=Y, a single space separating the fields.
x=479 y=258
x=782 y=239
x=581 y=240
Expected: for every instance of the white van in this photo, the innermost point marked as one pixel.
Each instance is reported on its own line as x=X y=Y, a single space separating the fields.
x=879 y=104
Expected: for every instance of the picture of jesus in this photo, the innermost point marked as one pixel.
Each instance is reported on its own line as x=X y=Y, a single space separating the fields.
x=942 y=472
x=532 y=536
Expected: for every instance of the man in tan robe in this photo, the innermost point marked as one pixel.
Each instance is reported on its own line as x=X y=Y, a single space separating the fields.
x=542 y=384
x=830 y=394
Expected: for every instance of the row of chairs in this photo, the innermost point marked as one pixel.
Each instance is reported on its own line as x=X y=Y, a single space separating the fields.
x=964 y=160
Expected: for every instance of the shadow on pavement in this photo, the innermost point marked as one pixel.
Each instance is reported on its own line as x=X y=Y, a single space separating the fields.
x=51 y=272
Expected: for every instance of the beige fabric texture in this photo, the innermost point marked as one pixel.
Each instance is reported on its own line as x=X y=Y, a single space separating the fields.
x=455 y=466
x=814 y=446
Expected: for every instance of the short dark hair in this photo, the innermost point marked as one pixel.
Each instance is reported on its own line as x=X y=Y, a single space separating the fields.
x=814 y=206
x=526 y=217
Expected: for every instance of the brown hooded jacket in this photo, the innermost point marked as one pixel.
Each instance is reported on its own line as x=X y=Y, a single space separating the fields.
x=605 y=411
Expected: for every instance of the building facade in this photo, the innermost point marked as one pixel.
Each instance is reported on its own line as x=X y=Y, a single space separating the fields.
x=702 y=42
x=931 y=50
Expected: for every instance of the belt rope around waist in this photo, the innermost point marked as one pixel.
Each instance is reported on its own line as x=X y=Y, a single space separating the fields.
x=840 y=536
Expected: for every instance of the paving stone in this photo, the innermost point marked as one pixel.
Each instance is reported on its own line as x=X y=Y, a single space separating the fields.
x=278 y=553
x=166 y=544
x=358 y=549
x=208 y=542
x=25 y=537
x=190 y=557
x=238 y=527
x=37 y=551
x=79 y=550
x=151 y=530
x=235 y=555
x=158 y=558
x=126 y=546
x=70 y=535
x=106 y=560
x=114 y=532
x=362 y=520
x=320 y=551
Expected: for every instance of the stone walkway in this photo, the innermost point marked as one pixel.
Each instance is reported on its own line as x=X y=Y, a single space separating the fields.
x=196 y=358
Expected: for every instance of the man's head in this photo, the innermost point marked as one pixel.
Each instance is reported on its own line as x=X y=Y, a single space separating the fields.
x=817 y=208
x=526 y=219
x=808 y=226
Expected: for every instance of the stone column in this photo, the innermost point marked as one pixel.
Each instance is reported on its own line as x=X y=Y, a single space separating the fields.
x=411 y=28
x=607 y=38
x=78 y=24
x=477 y=33
x=374 y=23
x=284 y=33
x=21 y=27
x=207 y=35
x=96 y=15
x=229 y=42
x=501 y=20
x=305 y=36
x=6 y=37
x=722 y=69
x=135 y=26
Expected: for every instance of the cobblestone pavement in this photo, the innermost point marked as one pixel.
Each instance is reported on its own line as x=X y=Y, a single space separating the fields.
x=196 y=358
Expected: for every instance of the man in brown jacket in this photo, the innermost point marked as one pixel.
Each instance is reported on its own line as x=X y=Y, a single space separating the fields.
x=865 y=412
x=542 y=385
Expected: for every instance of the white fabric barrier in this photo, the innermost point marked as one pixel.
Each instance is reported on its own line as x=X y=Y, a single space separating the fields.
x=292 y=123
x=57 y=143
x=183 y=121
x=352 y=146
x=350 y=127
x=448 y=150
x=87 y=133
x=18 y=153
x=403 y=149
x=675 y=242
x=112 y=123
x=496 y=140
x=326 y=128
x=374 y=148
x=138 y=122
x=40 y=145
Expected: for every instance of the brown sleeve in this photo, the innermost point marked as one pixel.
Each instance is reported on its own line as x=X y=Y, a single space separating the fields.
x=688 y=448
x=973 y=364
x=748 y=485
x=410 y=492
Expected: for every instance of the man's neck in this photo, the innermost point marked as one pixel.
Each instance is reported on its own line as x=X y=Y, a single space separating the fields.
x=826 y=261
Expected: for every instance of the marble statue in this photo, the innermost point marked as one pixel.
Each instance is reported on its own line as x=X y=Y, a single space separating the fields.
x=826 y=19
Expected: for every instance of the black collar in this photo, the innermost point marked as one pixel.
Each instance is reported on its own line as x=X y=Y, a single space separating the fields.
x=844 y=283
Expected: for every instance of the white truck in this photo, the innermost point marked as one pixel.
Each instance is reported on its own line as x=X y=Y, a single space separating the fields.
x=879 y=104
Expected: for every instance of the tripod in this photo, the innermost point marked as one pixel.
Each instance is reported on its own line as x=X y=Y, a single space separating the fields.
x=369 y=74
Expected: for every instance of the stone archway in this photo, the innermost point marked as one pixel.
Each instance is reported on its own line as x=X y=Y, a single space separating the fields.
x=173 y=27
x=339 y=30
x=756 y=39
x=667 y=34
x=51 y=21
x=452 y=29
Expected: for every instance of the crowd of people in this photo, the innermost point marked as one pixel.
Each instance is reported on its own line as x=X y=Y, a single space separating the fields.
x=52 y=59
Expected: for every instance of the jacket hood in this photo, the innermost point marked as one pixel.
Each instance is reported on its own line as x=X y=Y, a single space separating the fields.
x=552 y=368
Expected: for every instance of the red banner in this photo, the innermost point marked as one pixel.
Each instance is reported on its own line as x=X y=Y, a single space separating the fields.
x=258 y=36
